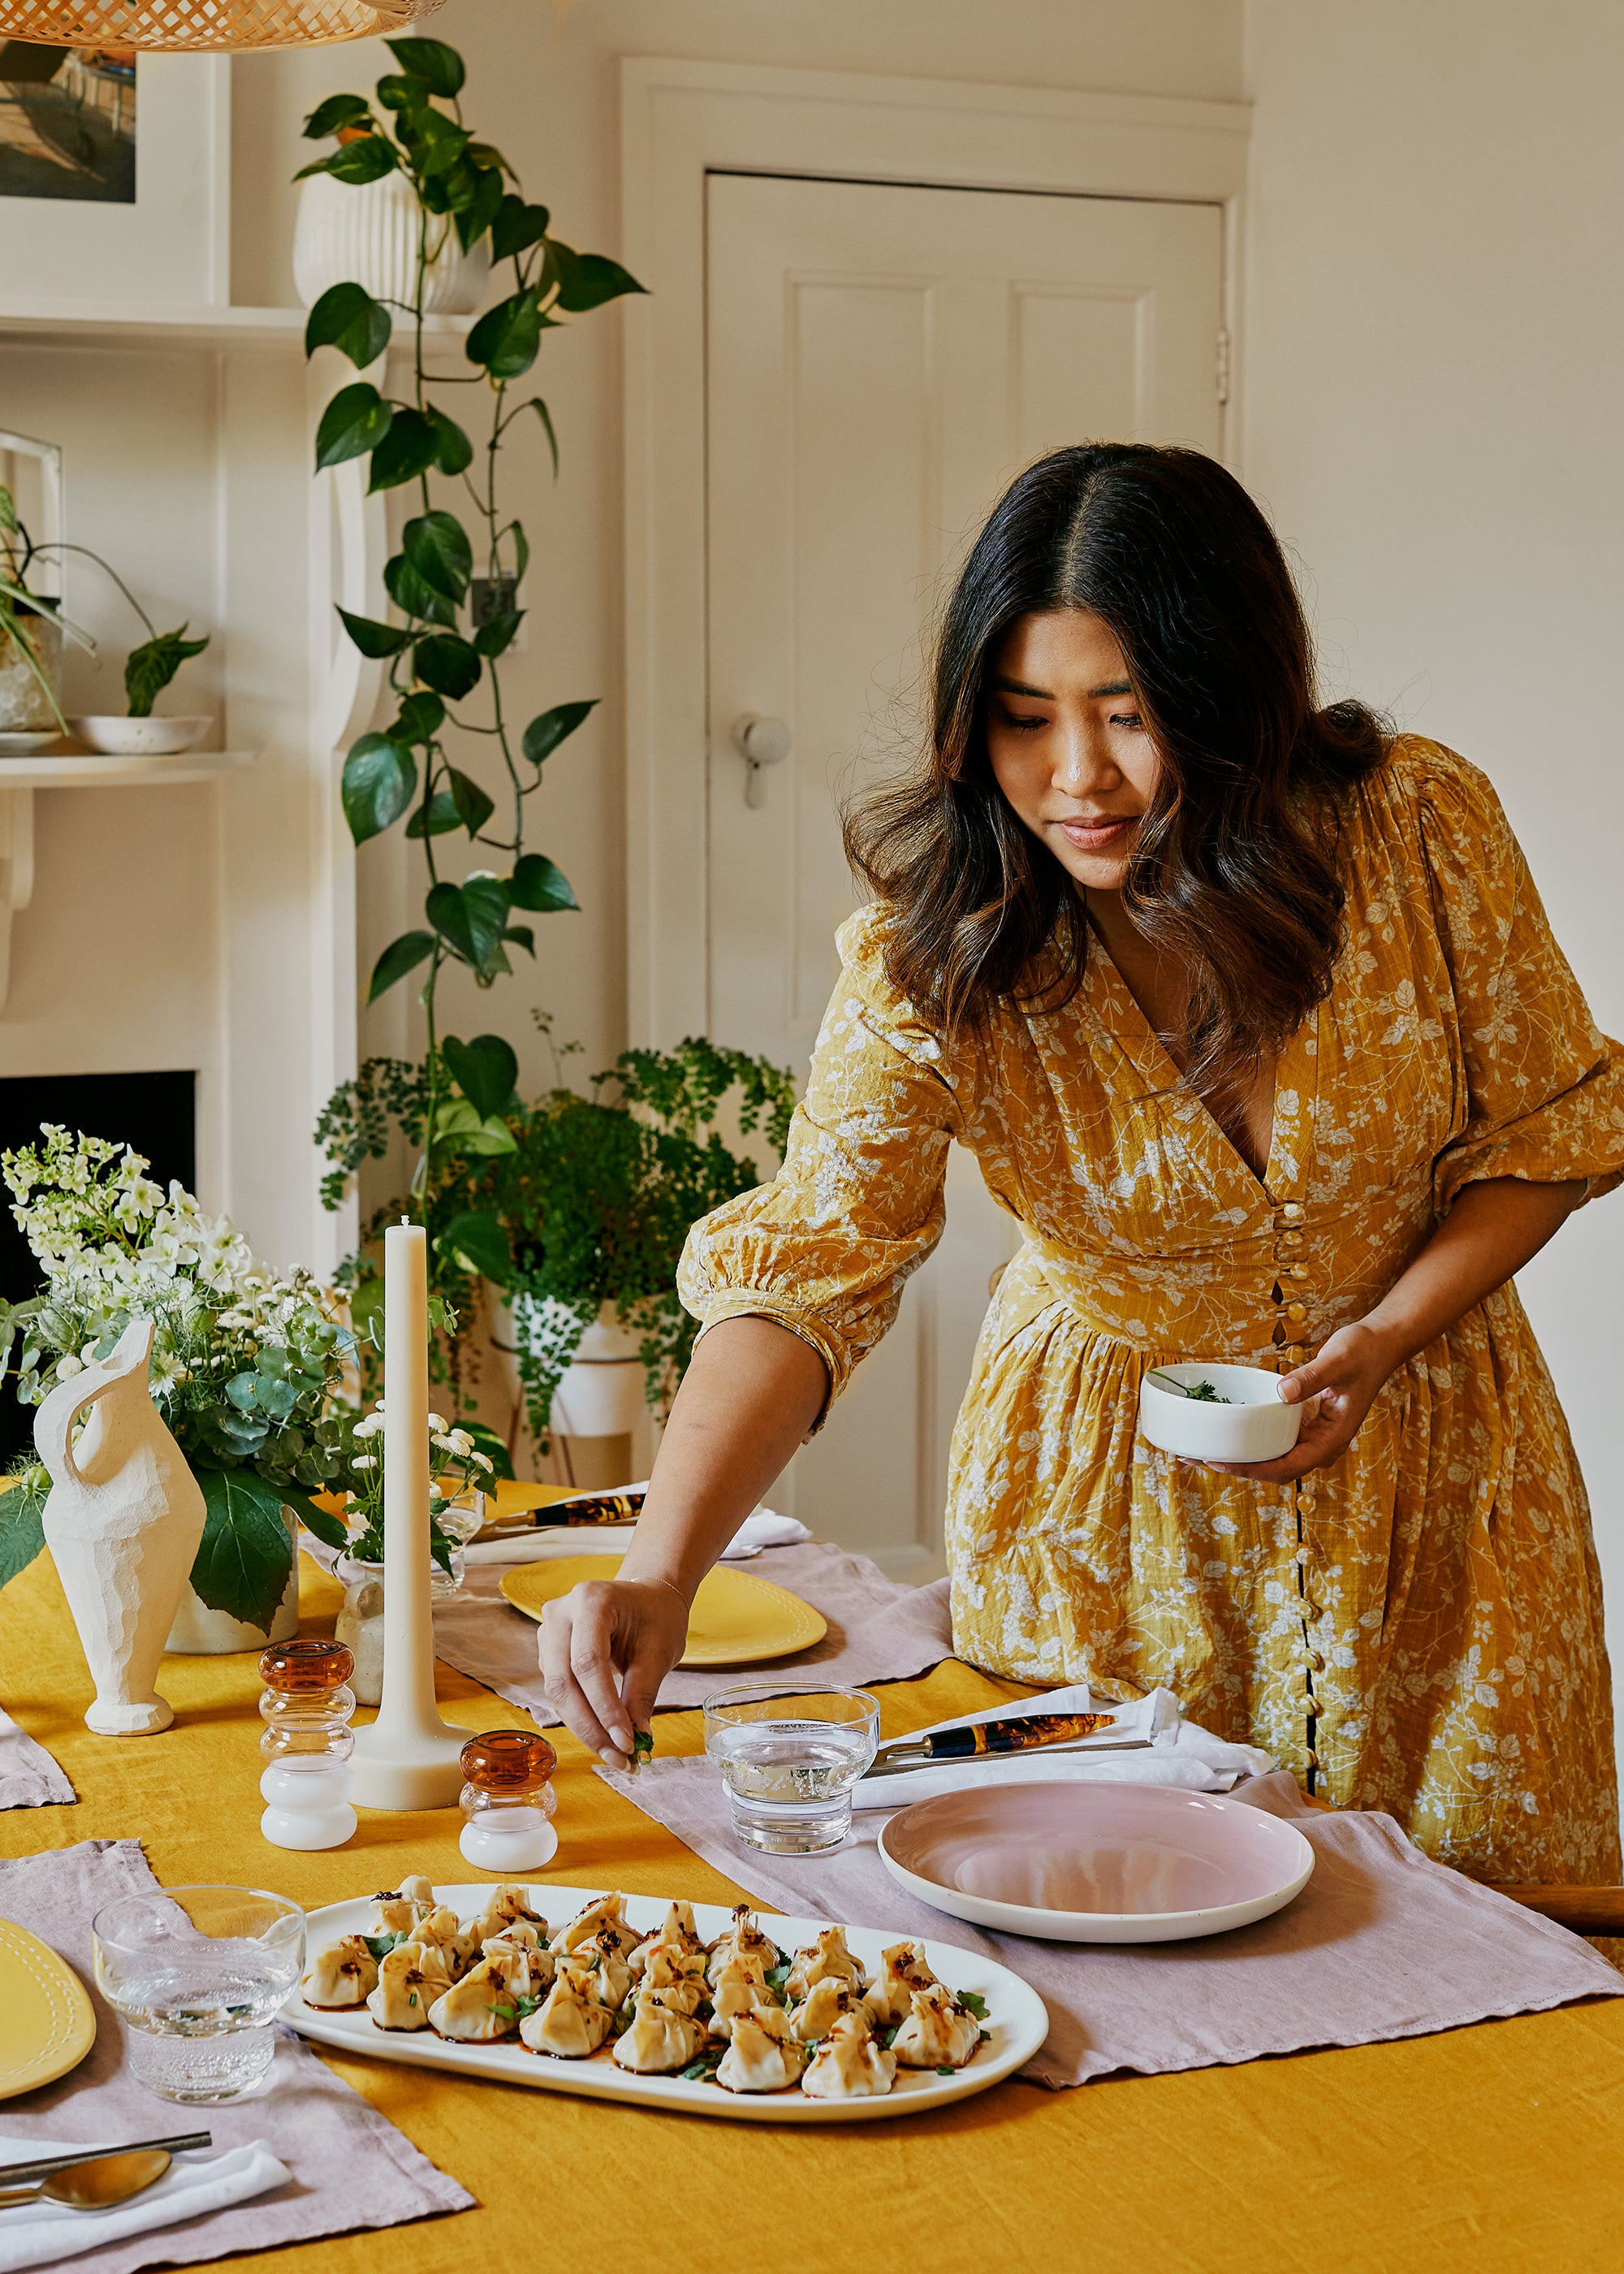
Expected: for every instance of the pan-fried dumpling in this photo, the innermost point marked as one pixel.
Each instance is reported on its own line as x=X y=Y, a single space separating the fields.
x=938 y=2033
x=605 y=1916
x=503 y=1906
x=762 y=2056
x=849 y=2064
x=826 y=2002
x=902 y=1971
x=601 y=1958
x=343 y=1975
x=479 y=2008
x=569 y=2023
x=739 y=1989
x=827 y=1958
x=416 y=1889
x=442 y=1931
x=678 y=1933
x=410 y=1979
x=661 y=2038
x=518 y=1934
x=527 y=1972
x=672 y=1974
x=395 y=1912
x=743 y=1940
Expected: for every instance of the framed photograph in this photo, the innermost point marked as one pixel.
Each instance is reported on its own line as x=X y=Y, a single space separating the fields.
x=115 y=176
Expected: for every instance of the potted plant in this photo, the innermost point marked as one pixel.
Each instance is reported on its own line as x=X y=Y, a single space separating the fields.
x=244 y=1367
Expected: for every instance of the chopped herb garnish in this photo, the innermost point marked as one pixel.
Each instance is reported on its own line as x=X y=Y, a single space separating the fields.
x=947 y=2072
x=1204 y=1394
x=985 y=2038
x=381 y=1945
x=703 y=2070
x=888 y=2037
x=412 y=1999
x=525 y=2006
x=778 y=1978
x=973 y=2002
x=643 y=1746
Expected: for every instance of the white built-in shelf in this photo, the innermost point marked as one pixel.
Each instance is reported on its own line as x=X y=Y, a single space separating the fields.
x=97 y=323
x=93 y=770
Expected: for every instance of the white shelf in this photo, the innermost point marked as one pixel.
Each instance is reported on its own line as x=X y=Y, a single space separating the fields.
x=92 y=770
x=92 y=323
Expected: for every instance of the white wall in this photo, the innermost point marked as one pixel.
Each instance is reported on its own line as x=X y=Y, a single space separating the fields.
x=1433 y=344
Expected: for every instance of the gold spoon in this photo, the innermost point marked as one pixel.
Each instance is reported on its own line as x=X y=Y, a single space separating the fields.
x=98 y=2184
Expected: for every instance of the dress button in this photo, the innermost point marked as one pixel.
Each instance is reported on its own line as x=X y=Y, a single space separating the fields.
x=1296 y=1271
x=1287 y=1243
x=1297 y=1313
x=1306 y=1499
x=1289 y=1213
x=1294 y=1353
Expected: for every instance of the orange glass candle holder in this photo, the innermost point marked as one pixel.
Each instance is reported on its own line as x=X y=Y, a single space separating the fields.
x=307 y=1741
x=507 y=1801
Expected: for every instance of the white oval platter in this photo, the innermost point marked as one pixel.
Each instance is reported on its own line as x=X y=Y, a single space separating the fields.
x=1017 y=2020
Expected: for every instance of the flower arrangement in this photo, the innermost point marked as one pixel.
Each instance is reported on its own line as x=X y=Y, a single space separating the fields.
x=244 y=1362
x=457 y=1469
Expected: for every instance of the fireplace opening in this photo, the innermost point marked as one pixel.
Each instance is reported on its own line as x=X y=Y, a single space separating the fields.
x=156 y=1113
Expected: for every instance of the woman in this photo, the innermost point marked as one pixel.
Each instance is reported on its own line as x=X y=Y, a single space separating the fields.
x=1253 y=1019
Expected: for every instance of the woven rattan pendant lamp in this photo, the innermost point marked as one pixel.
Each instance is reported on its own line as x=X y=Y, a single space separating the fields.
x=205 y=23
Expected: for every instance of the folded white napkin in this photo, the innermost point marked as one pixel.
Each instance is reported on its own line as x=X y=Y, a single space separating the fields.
x=765 y=1528
x=35 y=2234
x=1179 y=1753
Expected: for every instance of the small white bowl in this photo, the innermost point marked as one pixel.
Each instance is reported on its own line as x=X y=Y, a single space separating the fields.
x=139 y=738
x=1254 y=1425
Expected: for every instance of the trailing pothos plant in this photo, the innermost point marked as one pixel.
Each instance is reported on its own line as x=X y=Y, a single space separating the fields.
x=440 y=658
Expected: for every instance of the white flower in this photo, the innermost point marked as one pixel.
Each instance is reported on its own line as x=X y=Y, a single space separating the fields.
x=69 y=1365
x=364 y=1461
x=482 y=1460
x=437 y=1422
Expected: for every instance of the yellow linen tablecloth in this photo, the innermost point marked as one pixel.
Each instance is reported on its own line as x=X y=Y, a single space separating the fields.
x=1501 y=2148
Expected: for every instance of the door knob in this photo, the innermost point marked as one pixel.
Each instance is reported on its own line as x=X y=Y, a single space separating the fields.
x=760 y=743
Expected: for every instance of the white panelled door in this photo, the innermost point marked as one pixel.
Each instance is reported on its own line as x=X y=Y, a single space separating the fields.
x=881 y=360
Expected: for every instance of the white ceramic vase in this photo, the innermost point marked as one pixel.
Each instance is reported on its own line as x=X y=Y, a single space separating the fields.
x=367 y=234
x=123 y=1522
x=199 y=1632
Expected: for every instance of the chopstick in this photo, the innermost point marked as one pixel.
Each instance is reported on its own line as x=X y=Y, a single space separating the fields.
x=45 y=2165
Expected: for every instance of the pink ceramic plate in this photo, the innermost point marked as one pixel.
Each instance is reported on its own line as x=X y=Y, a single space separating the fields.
x=1096 y=1863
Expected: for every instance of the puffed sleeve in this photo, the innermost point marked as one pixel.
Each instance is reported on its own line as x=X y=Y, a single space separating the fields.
x=826 y=1248
x=1545 y=1087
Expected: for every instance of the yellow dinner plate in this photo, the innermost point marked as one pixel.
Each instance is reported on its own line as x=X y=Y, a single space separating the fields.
x=47 y=2023
x=737 y=1619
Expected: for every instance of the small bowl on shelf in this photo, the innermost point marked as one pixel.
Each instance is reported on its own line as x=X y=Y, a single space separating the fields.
x=139 y=738
x=1244 y=1418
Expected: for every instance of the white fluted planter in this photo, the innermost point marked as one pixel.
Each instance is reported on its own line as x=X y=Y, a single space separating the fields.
x=367 y=234
x=602 y=1393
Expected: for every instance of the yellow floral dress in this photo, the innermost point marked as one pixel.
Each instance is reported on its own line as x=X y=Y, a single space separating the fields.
x=1416 y=1626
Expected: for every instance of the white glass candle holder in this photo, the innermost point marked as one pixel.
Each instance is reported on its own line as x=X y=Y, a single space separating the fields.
x=308 y=1782
x=508 y=1803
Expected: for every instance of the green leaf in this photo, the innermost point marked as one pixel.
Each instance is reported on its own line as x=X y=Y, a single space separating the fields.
x=493 y=1448
x=479 y=1244
x=485 y=1069
x=400 y=956
x=243 y=1563
x=974 y=2003
x=447 y=663
x=586 y=280
x=347 y=317
x=22 y=1531
x=379 y=782
x=412 y=596
x=539 y=884
x=495 y=635
x=437 y=143
x=543 y=734
x=436 y=547
x=440 y=820
x=469 y=916
x=642 y=1746
x=395 y=92
x=454 y=453
x=355 y=422
x=522 y=936
x=438 y=66
x=420 y=717
x=321 y=1521
x=151 y=667
x=374 y=640
x=520 y=549
x=477 y=209
x=506 y=338
x=516 y=228
x=474 y=807
x=366 y=160
x=406 y=452
x=338 y=110
x=535 y=405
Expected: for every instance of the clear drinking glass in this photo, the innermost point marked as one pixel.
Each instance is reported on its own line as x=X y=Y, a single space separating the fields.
x=790 y=1754
x=200 y=1973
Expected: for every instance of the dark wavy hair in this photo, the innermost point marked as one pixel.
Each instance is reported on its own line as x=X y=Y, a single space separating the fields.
x=1236 y=867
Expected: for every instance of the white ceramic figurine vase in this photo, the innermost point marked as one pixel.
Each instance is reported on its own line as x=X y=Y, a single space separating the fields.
x=123 y=1522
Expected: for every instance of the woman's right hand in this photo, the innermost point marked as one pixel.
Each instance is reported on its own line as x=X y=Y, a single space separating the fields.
x=605 y=1648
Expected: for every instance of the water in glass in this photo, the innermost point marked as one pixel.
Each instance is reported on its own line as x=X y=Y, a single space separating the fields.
x=790 y=1763
x=198 y=1974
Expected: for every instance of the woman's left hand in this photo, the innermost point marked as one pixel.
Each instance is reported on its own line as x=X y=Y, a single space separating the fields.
x=1345 y=1378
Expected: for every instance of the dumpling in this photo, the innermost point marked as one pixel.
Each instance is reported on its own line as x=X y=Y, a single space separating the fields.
x=416 y=1889
x=518 y=1934
x=661 y=2038
x=410 y=1979
x=826 y=2002
x=568 y=2023
x=343 y=1975
x=601 y=1958
x=742 y=1939
x=527 y=1972
x=902 y=1971
x=479 y=2008
x=395 y=1912
x=762 y=2056
x=673 y=1975
x=849 y=2064
x=739 y=1988
x=503 y=1907
x=441 y=1930
x=606 y=1915
x=677 y=1932
x=827 y=1958
x=938 y=2033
